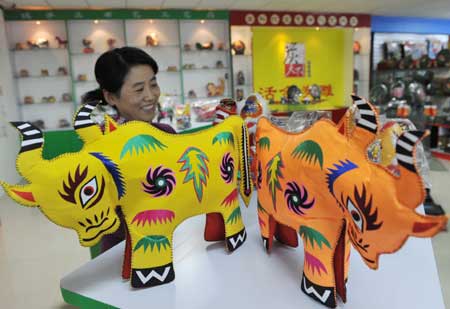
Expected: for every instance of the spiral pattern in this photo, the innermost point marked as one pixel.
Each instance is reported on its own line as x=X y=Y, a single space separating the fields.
x=227 y=168
x=160 y=181
x=297 y=198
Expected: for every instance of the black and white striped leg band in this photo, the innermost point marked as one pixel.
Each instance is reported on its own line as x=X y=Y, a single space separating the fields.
x=32 y=137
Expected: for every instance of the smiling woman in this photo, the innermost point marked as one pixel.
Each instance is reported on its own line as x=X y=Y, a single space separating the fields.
x=127 y=83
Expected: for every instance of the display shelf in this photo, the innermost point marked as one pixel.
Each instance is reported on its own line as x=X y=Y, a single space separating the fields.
x=44 y=103
x=206 y=69
x=207 y=98
x=80 y=54
x=205 y=51
x=37 y=50
x=41 y=77
x=390 y=71
x=162 y=46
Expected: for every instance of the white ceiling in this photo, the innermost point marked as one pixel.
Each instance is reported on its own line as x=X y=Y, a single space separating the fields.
x=420 y=8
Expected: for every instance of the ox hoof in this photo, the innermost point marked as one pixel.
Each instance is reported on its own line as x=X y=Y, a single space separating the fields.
x=236 y=240
x=148 y=277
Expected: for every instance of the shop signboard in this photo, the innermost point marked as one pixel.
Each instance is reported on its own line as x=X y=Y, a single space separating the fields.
x=318 y=61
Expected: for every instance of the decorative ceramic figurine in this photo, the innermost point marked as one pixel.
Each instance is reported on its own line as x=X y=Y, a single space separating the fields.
x=226 y=108
x=172 y=68
x=44 y=73
x=189 y=66
x=216 y=90
x=62 y=43
x=63 y=123
x=62 y=71
x=293 y=95
x=87 y=46
x=238 y=47
x=40 y=124
x=219 y=64
x=43 y=43
x=151 y=40
x=320 y=184
x=239 y=94
x=204 y=46
x=32 y=45
x=111 y=42
x=44 y=100
x=67 y=97
x=20 y=46
x=187 y=47
x=356 y=47
x=24 y=73
x=28 y=100
x=192 y=94
x=51 y=99
x=240 y=78
x=221 y=46
x=82 y=77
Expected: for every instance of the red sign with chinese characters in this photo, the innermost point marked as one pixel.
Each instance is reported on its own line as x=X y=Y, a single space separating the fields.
x=294 y=60
x=298 y=19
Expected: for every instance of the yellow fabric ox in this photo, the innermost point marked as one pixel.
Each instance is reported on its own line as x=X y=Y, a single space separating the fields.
x=158 y=179
x=320 y=184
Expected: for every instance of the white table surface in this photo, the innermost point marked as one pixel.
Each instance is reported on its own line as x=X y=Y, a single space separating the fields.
x=206 y=276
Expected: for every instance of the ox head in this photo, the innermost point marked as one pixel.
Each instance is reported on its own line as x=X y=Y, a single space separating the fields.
x=380 y=207
x=78 y=190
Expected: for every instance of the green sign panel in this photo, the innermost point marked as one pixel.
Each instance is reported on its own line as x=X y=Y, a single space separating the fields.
x=113 y=14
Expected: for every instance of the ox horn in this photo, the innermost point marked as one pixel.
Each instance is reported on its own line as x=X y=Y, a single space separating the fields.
x=409 y=184
x=87 y=129
x=31 y=146
x=366 y=128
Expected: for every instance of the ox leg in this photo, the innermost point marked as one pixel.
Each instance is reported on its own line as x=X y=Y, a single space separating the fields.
x=152 y=262
x=323 y=270
x=267 y=225
x=235 y=233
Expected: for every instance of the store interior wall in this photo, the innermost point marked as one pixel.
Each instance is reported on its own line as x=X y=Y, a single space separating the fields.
x=9 y=140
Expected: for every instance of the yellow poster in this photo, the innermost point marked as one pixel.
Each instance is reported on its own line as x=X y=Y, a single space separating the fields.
x=319 y=62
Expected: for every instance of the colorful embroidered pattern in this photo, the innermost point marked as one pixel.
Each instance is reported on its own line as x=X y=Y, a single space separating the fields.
x=160 y=181
x=224 y=137
x=195 y=164
x=310 y=151
x=140 y=144
x=154 y=216
x=152 y=241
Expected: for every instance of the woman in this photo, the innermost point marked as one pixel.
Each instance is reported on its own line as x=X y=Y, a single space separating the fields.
x=128 y=85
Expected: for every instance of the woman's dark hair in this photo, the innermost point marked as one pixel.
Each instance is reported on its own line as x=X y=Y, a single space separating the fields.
x=111 y=69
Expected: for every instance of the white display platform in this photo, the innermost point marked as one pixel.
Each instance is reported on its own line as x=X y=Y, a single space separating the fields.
x=206 y=276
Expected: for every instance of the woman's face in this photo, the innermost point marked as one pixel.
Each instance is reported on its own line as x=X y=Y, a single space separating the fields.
x=139 y=95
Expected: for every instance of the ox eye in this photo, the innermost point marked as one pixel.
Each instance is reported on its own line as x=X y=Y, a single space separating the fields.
x=355 y=214
x=227 y=168
x=160 y=182
x=88 y=191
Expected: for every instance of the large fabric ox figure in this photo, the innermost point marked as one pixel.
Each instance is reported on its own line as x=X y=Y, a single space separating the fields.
x=319 y=183
x=158 y=180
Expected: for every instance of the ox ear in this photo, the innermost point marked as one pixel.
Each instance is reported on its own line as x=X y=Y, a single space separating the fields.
x=110 y=124
x=427 y=226
x=22 y=194
x=366 y=128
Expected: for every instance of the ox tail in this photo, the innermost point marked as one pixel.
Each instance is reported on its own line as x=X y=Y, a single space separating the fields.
x=245 y=186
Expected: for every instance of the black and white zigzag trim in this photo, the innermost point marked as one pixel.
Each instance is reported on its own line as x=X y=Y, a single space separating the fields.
x=245 y=150
x=83 y=116
x=236 y=240
x=405 y=149
x=32 y=137
x=148 y=277
x=368 y=119
x=322 y=294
